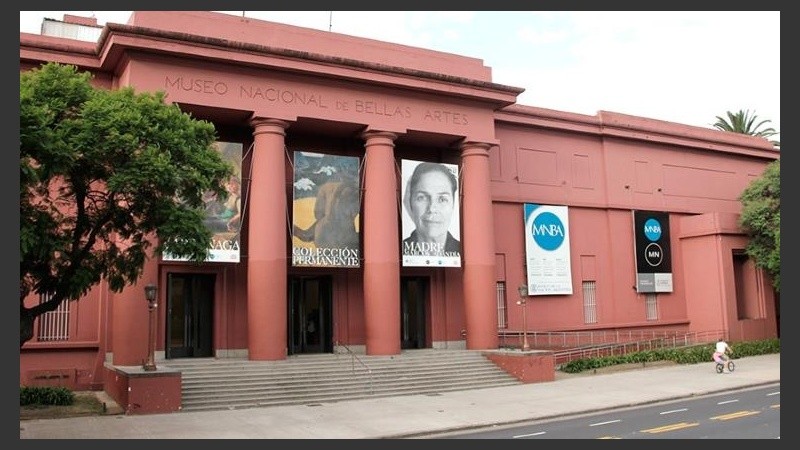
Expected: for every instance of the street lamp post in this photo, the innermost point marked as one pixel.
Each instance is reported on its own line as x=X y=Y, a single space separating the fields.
x=523 y=301
x=150 y=294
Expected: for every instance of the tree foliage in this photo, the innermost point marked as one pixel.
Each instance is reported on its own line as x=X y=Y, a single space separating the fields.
x=761 y=217
x=108 y=179
x=744 y=122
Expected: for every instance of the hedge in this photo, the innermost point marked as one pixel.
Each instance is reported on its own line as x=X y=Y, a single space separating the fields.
x=681 y=355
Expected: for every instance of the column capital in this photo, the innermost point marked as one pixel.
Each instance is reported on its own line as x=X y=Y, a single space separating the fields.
x=268 y=125
x=474 y=148
x=374 y=137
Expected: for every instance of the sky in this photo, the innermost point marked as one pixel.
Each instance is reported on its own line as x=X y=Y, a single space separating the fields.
x=684 y=67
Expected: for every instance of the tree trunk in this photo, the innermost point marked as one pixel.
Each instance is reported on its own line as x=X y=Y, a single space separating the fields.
x=25 y=326
x=27 y=316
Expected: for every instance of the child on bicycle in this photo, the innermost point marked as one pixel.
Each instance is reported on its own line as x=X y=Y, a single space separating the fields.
x=721 y=350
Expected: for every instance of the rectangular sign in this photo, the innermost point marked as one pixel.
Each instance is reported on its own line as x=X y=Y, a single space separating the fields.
x=224 y=218
x=431 y=225
x=547 y=249
x=652 y=250
x=326 y=211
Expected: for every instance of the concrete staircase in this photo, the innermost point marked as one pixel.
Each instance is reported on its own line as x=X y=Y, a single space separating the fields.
x=213 y=384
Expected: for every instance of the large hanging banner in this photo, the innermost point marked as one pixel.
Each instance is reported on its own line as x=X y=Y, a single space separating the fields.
x=547 y=250
x=224 y=218
x=431 y=226
x=653 y=254
x=326 y=210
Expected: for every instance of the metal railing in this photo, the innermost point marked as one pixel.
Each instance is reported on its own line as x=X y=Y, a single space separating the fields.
x=355 y=358
x=565 y=356
x=568 y=346
x=548 y=340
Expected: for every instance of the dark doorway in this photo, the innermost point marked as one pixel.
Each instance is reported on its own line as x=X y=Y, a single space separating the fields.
x=310 y=315
x=777 y=312
x=190 y=300
x=413 y=296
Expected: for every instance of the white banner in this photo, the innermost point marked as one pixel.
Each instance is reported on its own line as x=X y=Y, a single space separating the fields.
x=547 y=250
x=430 y=215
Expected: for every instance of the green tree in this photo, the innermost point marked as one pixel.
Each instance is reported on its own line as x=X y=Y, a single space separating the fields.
x=744 y=122
x=761 y=217
x=108 y=179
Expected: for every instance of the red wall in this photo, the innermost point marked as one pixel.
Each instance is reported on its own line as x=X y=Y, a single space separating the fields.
x=528 y=367
x=78 y=362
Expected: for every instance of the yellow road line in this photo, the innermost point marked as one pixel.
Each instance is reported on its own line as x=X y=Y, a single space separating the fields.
x=673 y=427
x=734 y=415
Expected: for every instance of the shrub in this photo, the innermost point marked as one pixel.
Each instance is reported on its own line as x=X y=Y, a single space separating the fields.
x=684 y=355
x=45 y=395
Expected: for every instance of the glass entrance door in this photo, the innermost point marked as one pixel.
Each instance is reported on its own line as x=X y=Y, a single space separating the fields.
x=413 y=318
x=190 y=300
x=310 y=315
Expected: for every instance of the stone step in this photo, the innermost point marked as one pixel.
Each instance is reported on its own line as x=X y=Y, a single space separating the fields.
x=209 y=403
x=209 y=383
x=323 y=373
x=337 y=384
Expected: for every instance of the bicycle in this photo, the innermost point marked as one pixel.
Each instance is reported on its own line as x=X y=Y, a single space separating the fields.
x=722 y=365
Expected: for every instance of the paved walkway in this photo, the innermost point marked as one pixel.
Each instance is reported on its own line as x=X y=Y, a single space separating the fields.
x=416 y=415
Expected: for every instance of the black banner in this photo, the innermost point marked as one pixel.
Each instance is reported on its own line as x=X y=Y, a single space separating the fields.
x=653 y=253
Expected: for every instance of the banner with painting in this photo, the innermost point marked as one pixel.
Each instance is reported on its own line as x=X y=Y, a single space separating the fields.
x=224 y=218
x=653 y=254
x=431 y=225
x=326 y=211
x=547 y=250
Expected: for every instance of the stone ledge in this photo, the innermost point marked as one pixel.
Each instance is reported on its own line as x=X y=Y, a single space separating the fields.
x=531 y=366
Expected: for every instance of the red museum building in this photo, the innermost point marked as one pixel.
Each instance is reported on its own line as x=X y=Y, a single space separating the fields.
x=579 y=209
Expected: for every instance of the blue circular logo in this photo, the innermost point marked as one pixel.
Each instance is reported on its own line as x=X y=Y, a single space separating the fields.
x=548 y=231
x=652 y=230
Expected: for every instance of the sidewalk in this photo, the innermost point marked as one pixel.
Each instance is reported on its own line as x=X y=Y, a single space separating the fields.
x=417 y=415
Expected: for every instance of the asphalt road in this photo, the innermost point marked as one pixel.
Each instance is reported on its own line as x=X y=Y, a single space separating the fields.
x=752 y=413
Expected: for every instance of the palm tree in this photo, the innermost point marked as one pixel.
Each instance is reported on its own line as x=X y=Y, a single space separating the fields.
x=745 y=123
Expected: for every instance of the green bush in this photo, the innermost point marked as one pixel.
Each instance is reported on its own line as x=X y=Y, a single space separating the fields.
x=682 y=355
x=45 y=395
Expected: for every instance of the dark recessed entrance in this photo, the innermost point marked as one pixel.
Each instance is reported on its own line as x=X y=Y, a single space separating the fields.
x=190 y=300
x=310 y=315
x=413 y=318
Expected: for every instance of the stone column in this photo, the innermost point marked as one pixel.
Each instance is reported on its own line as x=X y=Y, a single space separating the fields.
x=381 y=246
x=480 y=304
x=267 y=235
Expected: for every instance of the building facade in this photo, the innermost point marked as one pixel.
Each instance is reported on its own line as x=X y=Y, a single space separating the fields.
x=611 y=222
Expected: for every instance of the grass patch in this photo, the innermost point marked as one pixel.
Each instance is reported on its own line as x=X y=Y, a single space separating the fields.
x=85 y=404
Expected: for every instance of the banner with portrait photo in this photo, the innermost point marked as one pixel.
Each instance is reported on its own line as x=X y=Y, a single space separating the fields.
x=326 y=211
x=224 y=217
x=431 y=215
x=547 y=250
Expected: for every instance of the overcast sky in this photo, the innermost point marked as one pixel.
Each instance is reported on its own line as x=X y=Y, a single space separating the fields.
x=684 y=67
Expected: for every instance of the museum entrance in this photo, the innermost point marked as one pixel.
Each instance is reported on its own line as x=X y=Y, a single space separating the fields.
x=413 y=312
x=190 y=312
x=310 y=315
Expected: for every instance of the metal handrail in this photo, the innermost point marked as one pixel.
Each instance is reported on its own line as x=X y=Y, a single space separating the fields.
x=353 y=360
x=622 y=348
x=564 y=340
x=562 y=357
x=567 y=346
